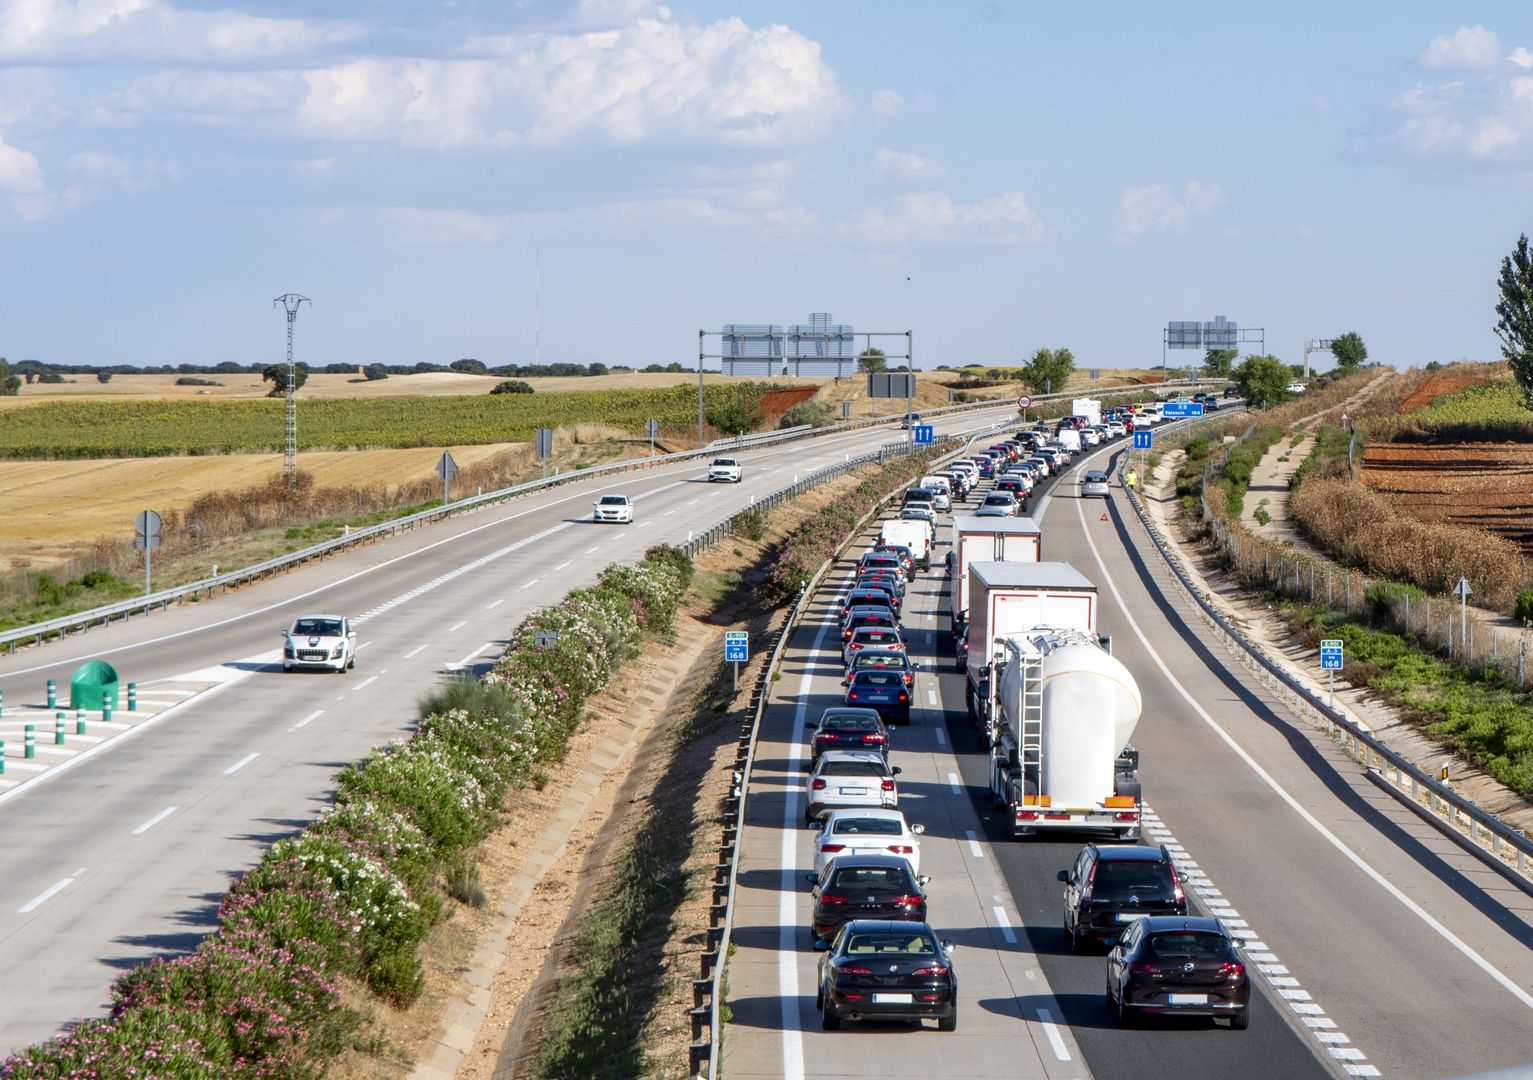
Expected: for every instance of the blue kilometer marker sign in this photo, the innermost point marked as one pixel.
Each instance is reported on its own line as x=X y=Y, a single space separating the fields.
x=1331 y=654
x=925 y=433
x=1144 y=440
x=1177 y=409
x=736 y=646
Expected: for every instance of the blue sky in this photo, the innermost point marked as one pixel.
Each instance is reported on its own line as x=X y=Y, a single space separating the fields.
x=994 y=176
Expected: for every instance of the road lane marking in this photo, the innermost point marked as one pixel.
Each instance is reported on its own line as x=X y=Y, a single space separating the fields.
x=952 y=782
x=494 y=603
x=974 y=848
x=364 y=645
x=1298 y=808
x=668 y=513
x=1046 y=1018
x=420 y=648
x=562 y=565
x=48 y=894
x=931 y=698
x=457 y=626
x=307 y=720
x=366 y=682
x=531 y=583
x=941 y=738
x=1005 y=924
x=240 y=764
x=152 y=822
x=470 y=656
x=592 y=548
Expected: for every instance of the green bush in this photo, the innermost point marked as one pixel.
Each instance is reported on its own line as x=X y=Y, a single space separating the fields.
x=1384 y=596
x=736 y=415
x=751 y=524
x=811 y=412
x=512 y=386
x=1523 y=609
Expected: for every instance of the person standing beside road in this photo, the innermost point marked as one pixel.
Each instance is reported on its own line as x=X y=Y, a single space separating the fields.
x=1130 y=479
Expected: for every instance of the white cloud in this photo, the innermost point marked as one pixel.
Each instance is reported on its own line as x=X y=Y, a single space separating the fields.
x=658 y=78
x=932 y=217
x=20 y=172
x=1156 y=208
x=886 y=103
x=1485 y=121
x=1522 y=57
x=72 y=30
x=888 y=162
x=1468 y=48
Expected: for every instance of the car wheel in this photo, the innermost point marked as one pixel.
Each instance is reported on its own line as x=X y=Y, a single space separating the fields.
x=1126 y=1016
x=1077 y=942
x=949 y=1022
x=351 y=662
x=829 y=1021
x=1112 y=1002
x=1241 y=1020
x=819 y=996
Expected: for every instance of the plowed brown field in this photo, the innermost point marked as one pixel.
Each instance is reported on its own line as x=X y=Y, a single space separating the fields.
x=1437 y=386
x=1487 y=485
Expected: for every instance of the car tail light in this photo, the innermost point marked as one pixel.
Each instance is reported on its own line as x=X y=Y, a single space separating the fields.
x=904 y=696
x=851 y=695
x=1091 y=880
x=909 y=900
x=872 y=740
x=1176 y=886
x=818 y=785
x=930 y=972
x=888 y=785
x=826 y=736
x=1139 y=967
x=832 y=848
x=1234 y=969
x=910 y=678
x=831 y=900
x=902 y=849
x=856 y=971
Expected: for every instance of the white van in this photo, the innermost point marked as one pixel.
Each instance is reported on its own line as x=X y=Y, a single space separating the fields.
x=940 y=487
x=912 y=533
x=1070 y=439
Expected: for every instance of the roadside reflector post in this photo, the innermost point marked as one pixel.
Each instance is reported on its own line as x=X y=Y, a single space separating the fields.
x=2 y=757
x=79 y=725
x=133 y=697
x=106 y=711
x=2 y=702
x=58 y=728
x=53 y=693
x=29 y=741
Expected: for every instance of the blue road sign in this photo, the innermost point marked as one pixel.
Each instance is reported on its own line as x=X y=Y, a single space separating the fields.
x=925 y=433
x=1176 y=409
x=1144 y=440
x=1331 y=653
x=737 y=646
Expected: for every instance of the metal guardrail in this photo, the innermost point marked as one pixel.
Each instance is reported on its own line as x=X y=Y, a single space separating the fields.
x=1463 y=819
x=710 y=986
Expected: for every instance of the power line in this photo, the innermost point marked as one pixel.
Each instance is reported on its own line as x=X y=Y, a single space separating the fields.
x=290 y=302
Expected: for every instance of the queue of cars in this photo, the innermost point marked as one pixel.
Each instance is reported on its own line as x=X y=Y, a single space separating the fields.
x=881 y=958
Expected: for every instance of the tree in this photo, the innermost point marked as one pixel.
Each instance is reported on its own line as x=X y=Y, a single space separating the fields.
x=469 y=366
x=10 y=384
x=1217 y=362
x=1048 y=369
x=276 y=374
x=1349 y=350
x=1263 y=380
x=103 y=376
x=375 y=372
x=1514 y=322
x=871 y=361
x=597 y=369
x=511 y=386
x=673 y=366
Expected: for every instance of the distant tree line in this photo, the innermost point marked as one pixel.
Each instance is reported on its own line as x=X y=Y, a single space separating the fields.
x=35 y=371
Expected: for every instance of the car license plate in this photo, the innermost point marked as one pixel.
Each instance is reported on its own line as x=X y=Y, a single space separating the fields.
x=1186 y=999
x=893 y=999
x=1130 y=916
x=854 y=791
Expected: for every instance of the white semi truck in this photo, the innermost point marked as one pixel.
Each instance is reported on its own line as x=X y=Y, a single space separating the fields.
x=1061 y=759
x=987 y=539
x=1010 y=598
x=1090 y=408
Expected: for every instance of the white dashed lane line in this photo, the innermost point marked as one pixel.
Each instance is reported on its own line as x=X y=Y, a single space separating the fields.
x=420 y=648
x=1046 y=1019
x=494 y=603
x=530 y=584
x=307 y=720
x=952 y=782
x=152 y=822
x=49 y=893
x=974 y=848
x=457 y=626
x=562 y=565
x=240 y=764
x=366 y=682
x=1005 y=924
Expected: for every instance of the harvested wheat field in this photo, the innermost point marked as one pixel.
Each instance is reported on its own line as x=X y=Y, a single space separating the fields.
x=53 y=510
x=1485 y=485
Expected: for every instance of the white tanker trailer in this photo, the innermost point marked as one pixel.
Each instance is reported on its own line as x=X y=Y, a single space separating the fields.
x=1061 y=758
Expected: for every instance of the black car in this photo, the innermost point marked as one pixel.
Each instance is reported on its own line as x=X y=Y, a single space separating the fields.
x=883 y=578
x=856 y=618
x=881 y=689
x=886 y=560
x=841 y=728
x=1231 y=391
x=864 y=887
x=1110 y=887
x=906 y=556
x=869 y=598
x=877 y=970
x=1178 y=966
x=873 y=657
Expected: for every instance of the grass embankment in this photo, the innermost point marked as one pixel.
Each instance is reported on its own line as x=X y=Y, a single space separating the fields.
x=1479 y=713
x=103 y=428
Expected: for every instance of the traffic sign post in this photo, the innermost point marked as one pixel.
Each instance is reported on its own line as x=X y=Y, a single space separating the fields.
x=1023 y=404
x=1176 y=410
x=1331 y=650
x=652 y=429
x=446 y=468
x=1144 y=440
x=737 y=650
x=925 y=434
x=146 y=537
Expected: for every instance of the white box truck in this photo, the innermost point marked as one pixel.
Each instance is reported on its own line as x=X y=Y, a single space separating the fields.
x=914 y=534
x=1090 y=408
x=977 y=539
x=1007 y=599
x=1061 y=759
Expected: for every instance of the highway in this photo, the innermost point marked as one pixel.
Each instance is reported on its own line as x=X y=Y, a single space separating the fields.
x=124 y=855
x=1381 y=947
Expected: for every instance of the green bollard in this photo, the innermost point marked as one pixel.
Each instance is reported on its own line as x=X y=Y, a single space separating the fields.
x=133 y=697
x=106 y=711
x=30 y=741
x=2 y=757
x=58 y=728
x=53 y=693
x=2 y=702
x=79 y=727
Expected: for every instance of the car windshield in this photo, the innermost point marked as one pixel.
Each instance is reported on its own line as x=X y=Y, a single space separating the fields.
x=614 y=500
x=1188 y=945
x=1116 y=878
x=863 y=825
x=318 y=627
x=849 y=723
x=868 y=879
x=897 y=942
x=879 y=678
x=725 y=461
x=852 y=768
x=998 y=498
x=879 y=658
x=1096 y=478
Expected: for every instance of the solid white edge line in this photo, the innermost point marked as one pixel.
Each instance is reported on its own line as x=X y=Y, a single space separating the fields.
x=46 y=895
x=241 y=763
x=974 y=848
x=152 y=822
x=1046 y=1018
x=1309 y=819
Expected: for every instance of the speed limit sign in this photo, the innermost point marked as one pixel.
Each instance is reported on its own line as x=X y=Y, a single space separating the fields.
x=1024 y=401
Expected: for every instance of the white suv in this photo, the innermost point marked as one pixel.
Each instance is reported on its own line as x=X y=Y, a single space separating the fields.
x=320 y=643
x=614 y=508
x=725 y=469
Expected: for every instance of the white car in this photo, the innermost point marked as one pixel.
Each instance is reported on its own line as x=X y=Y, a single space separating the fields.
x=920 y=512
x=614 y=508
x=319 y=643
x=1094 y=483
x=997 y=504
x=725 y=470
x=1297 y=388
x=868 y=832
x=846 y=778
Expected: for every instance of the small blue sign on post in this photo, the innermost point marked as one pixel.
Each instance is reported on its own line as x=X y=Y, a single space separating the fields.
x=1331 y=654
x=737 y=646
x=1173 y=410
x=1144 y=440
x=925 y=434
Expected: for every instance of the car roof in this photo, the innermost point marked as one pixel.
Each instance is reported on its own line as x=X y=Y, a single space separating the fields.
x=317 y=615
x=881 y=861
x=850 y=710
x=1131 y=853
x=1158 y=923
x=864 y=926
x=852 y=755
x=895 y=653
x=865 y=812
